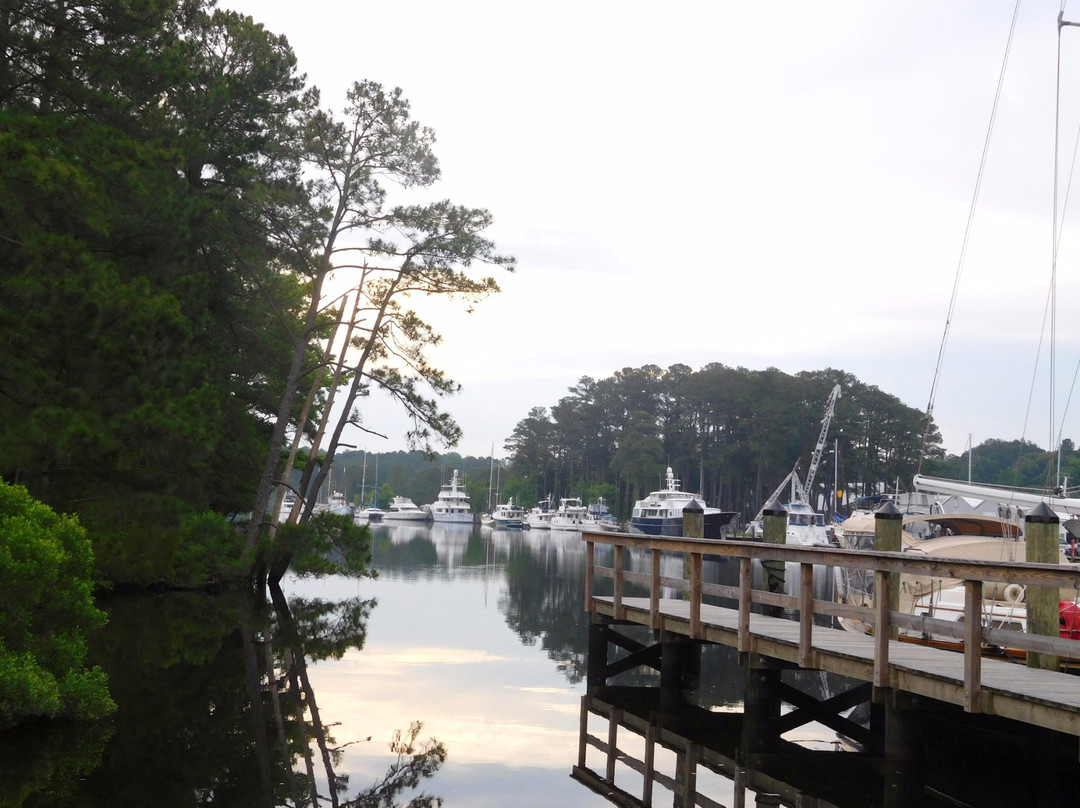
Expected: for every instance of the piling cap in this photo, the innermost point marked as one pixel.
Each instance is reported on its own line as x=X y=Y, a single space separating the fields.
x=888 y=510
x=1041 y=514
x=773 y=508
x=693 y=506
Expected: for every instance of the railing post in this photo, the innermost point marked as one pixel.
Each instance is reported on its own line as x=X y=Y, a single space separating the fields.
x=882 y=627
x=590 y=562
x=745 y=586
x=619 y=576
x=583 y=730
x=806 y=615
x=695 y=595
x=973 y=593
x=654 y=588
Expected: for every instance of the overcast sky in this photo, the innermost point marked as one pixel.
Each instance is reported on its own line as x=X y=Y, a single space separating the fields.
x=782 y=184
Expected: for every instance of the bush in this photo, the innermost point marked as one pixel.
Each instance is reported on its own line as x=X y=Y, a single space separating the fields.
x=328 y=544
x=46 y=606
x=210 y=552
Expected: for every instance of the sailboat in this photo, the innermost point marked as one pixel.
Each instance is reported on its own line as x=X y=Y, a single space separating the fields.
x=968 y=536
x=368 y=512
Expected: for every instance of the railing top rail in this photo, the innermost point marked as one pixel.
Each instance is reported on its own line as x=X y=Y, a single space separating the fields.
x=1032 y=574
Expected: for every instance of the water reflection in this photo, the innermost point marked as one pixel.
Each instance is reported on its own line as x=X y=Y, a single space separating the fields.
x=313 y=697
x=215 y=706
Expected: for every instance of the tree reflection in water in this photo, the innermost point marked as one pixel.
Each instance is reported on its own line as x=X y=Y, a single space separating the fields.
x=305 y=630
x=215 y=707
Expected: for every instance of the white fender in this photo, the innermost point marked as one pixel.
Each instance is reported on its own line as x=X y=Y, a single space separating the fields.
x=1013 y=593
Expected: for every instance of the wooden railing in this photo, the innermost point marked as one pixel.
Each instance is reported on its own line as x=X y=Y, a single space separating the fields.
x=886 y=568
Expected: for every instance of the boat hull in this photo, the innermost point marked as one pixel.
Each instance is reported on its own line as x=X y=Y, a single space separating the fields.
x=453 y=518
x=413 y=516
x=715 y=524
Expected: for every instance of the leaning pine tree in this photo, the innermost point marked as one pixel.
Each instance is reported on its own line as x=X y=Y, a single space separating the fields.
x=364 y=260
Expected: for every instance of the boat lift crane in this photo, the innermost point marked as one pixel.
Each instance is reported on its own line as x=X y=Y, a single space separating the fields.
x=800 y=491
x=830 y=409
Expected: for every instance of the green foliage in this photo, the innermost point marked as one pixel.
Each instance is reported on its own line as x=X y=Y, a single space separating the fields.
x=46 y=606
x=210 y=552
x=147 y=317
x=327 y=544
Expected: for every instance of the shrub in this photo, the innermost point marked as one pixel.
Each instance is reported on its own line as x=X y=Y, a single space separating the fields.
x=46 y=606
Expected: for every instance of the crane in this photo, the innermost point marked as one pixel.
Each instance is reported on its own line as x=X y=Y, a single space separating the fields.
x=830 y=409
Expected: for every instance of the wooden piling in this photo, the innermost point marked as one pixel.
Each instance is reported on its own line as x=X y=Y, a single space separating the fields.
x=888 y=538
x=774 y=518
x=693 y=520
x=1043 y=610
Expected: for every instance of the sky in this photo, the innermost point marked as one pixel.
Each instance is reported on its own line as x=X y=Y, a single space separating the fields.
x=758 y=185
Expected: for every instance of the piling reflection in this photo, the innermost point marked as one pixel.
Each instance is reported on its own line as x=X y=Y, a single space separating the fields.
x=215 y=706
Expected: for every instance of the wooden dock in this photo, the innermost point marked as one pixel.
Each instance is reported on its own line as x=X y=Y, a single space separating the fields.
x=1047 y=699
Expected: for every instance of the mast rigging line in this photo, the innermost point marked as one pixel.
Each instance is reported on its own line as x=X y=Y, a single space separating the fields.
x=967 y=236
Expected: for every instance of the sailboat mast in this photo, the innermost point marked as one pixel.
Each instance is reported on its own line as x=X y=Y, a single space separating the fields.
x=363 y=482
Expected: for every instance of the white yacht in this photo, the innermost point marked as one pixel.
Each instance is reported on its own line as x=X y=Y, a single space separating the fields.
x=661 y=512
x=452 y=504
x=539 y=518
x=508 y=515
x=806 y=527
x=571 y=515
x=403 y=509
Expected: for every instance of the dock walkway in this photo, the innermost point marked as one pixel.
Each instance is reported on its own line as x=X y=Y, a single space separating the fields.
x=1045 y=698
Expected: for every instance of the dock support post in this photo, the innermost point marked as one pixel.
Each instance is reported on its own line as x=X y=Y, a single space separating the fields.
x=1043 y=610
x=680 y=670
x=761 y=706
x=904 y=766
x=597 y=661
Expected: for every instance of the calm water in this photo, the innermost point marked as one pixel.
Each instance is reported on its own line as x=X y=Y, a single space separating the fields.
x=479 y=636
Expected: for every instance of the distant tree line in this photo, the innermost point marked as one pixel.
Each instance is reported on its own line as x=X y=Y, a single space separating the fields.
x=731 y=434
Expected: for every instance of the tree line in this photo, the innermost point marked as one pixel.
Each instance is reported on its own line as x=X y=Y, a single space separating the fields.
x=728 y=433
x=731 y=434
